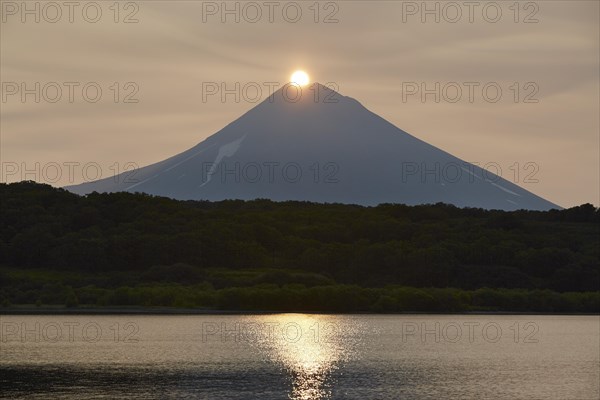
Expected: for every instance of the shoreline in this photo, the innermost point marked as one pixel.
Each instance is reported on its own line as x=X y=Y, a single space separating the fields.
x=33 y=310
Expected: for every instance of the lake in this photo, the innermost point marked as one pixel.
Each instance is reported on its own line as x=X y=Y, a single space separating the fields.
x=300 y=356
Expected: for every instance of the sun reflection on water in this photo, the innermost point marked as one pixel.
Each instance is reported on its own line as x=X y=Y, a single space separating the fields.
x=310 y=348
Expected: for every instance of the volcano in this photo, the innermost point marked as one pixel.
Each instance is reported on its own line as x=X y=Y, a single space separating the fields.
x=317 y=145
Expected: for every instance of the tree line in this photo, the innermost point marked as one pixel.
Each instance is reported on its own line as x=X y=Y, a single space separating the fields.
x=132 y=239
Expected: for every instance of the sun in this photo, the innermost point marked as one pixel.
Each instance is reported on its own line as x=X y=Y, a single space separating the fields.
x=300 y=78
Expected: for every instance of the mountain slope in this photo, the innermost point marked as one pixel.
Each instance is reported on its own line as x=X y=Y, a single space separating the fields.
x=324 y=147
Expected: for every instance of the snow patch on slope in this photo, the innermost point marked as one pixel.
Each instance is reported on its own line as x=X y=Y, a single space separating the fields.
x=227 y=150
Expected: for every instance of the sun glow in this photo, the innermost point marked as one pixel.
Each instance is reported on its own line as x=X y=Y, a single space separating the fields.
x=300 y=78
x=310 y=348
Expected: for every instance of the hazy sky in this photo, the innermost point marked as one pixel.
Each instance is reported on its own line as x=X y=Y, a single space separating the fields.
x=543 y=56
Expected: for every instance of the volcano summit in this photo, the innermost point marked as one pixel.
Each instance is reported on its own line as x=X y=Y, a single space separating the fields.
x=320 y=147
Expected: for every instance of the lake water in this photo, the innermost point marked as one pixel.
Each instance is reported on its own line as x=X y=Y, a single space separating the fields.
x=300 y=356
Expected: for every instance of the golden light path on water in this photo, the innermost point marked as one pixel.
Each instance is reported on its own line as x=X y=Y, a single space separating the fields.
x=310 y=348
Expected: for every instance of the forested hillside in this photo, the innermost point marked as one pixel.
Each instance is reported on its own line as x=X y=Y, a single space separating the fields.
x=103 y=242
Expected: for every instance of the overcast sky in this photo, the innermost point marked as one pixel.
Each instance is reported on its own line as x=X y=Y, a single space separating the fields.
x=544 y=57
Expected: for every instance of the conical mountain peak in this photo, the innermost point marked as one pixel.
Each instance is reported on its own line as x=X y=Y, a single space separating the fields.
x=312 y=143
x=308 y=98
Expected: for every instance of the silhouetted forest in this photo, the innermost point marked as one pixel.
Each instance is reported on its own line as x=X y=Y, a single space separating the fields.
x=136 y=249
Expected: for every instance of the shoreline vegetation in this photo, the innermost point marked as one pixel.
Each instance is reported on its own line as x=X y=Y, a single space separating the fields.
x=62 y=310
x=124 y=251
x=297 y=298
x=47 y=290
